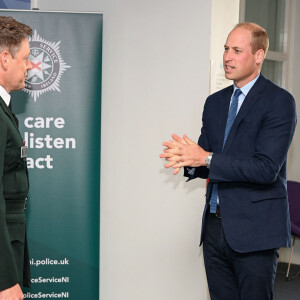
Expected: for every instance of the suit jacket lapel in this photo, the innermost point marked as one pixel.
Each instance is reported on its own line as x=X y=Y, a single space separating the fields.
x=8 y=112
x=250 y=100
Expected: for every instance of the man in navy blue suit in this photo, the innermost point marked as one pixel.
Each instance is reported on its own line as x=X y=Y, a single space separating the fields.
x=246 y=133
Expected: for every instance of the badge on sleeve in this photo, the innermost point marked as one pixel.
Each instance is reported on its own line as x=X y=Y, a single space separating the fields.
x=24 y=152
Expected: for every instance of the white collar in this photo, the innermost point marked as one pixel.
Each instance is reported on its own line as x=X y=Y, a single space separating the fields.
x=5 y=95
x=246 y=88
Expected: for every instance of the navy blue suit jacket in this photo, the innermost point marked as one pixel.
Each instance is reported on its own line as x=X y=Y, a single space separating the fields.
x=251 y=170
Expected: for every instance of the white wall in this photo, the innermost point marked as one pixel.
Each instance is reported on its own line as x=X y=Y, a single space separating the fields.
x=155 y=81
x=221 y=25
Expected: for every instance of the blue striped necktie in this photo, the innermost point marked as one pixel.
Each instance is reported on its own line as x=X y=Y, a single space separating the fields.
x=230 y=119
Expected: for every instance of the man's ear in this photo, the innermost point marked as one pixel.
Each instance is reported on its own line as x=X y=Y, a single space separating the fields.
x=5 y=58
x=260 y=55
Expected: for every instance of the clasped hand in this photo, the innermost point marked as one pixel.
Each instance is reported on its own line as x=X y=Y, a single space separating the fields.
x=12 y=293
x=183 y=152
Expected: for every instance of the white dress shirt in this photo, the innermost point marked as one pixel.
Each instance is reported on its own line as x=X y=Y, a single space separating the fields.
x=4 y=95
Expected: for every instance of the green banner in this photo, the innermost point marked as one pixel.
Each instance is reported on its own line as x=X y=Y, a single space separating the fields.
x=60 y=115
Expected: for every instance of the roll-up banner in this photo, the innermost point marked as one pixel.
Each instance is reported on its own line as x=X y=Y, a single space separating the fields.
x=59 y=114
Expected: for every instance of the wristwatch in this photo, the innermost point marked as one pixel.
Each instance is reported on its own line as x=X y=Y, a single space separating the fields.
x=208 y=160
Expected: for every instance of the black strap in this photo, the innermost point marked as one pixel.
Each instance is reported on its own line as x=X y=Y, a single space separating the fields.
x=16 y=206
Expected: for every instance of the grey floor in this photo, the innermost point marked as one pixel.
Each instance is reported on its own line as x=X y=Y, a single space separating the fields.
x=287 y=290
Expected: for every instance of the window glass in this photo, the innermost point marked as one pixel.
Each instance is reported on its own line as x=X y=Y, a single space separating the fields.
x=272 y=70
x=270 y=15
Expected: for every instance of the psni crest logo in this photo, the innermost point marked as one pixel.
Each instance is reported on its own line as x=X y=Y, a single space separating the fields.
x=47 y=67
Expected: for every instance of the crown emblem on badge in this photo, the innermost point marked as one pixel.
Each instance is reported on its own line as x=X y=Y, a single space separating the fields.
x=47 y=67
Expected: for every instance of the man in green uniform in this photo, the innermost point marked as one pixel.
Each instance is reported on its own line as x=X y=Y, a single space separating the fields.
x=14 y=259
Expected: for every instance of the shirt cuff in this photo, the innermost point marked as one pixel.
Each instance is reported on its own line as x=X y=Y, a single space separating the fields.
x=191 y=171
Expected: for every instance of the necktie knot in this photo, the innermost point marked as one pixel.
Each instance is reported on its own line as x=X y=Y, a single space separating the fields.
x=237 y=93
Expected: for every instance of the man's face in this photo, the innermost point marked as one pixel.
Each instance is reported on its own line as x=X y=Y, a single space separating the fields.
x=239 y=63
x=18 y=67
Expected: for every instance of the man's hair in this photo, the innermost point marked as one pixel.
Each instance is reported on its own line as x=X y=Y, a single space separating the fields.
x=12 y=33
x=260 y=38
